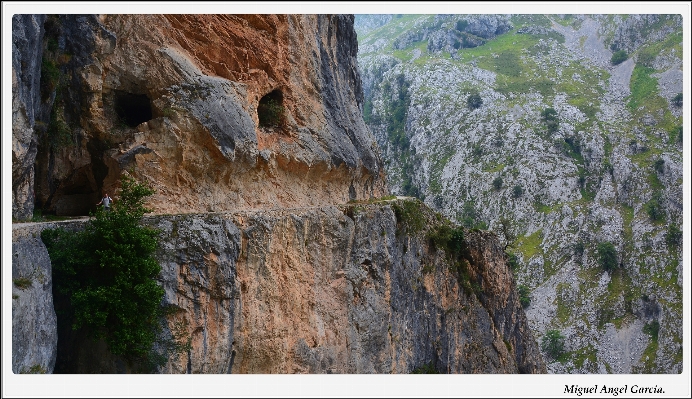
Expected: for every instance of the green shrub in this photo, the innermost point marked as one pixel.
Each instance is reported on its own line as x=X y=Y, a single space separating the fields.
x=553 y=343
x=452 y=241
x=512 y=261
x=409 y=216
x=425 y=369
x=474 y=100
x=651 y=329
x=524 y=296
x=508 y=231
x=497 y=183
x=462 y=24
x=678 y=136
x=655 y=207
x=469 y=218
x=673 y=236
x=618 y=57
x=448 y=238
x=658 y=165
x=477 y=150
x=607 y=256
x=107 y=271
x=50 y=77
x=517 y=192
x=549 y=116
x=270 y=112
x=677 y=100
x=579 y=249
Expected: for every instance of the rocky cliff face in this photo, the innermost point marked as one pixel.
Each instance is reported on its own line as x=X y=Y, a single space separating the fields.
x=250 y=130
x=216 y=112
x=326 y=290
x=609 y=171
x=34 y=322
x=27 y=50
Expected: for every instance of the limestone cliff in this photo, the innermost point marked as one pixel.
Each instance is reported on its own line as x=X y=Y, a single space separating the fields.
x=27 y=50
x=177 y=101
x=249 y=127
x=326 y=290
x=34 y=325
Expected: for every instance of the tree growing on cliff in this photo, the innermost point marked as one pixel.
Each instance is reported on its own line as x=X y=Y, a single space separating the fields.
x=618 y=57
x=553 y=343
x=107 y=271
x=524 y=295
x=270 y=112
x=607 y=256
x=474 y=100
x=549 y=116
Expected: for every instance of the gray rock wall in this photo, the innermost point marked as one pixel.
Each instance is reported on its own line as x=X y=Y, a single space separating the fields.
x=34 y=323
x=27 y=50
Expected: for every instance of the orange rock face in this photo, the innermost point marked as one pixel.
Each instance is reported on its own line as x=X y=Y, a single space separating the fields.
x=177 y=101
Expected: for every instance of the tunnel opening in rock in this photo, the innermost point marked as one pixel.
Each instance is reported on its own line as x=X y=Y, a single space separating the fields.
x=132 y=109
x=270 y=110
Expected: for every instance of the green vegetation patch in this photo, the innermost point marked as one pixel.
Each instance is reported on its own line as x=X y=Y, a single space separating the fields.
x=491 y=168
x=620 y=286
x=107 y=274
x=553 y=344
x=22 y=283
x=583 y=354
x=607 y=256
x=428 y=368
x=648 y=359
x=668 y=279
x=508 y=63
x=563 y=306
x=543 y=208
x=448 y=238
x=627 y=213
x=544 y=86
x=618 y=57
x=530 y=245
x=644 y=90
x=409 y=216
x=648 y=53
x=524 y=295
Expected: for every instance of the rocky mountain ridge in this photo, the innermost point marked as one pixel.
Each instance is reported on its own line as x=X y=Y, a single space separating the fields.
x=524 y=124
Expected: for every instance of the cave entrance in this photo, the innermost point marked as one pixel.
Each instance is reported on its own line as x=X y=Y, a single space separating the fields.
x=132 y=109
x=270 y=110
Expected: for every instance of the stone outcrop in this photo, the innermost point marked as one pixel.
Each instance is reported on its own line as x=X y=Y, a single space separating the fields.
x=27 y=48
x=34 y=323
x=326 y=290
x=173 y=100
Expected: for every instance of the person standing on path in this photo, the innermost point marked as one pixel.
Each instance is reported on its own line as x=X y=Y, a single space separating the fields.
x=106 y=201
